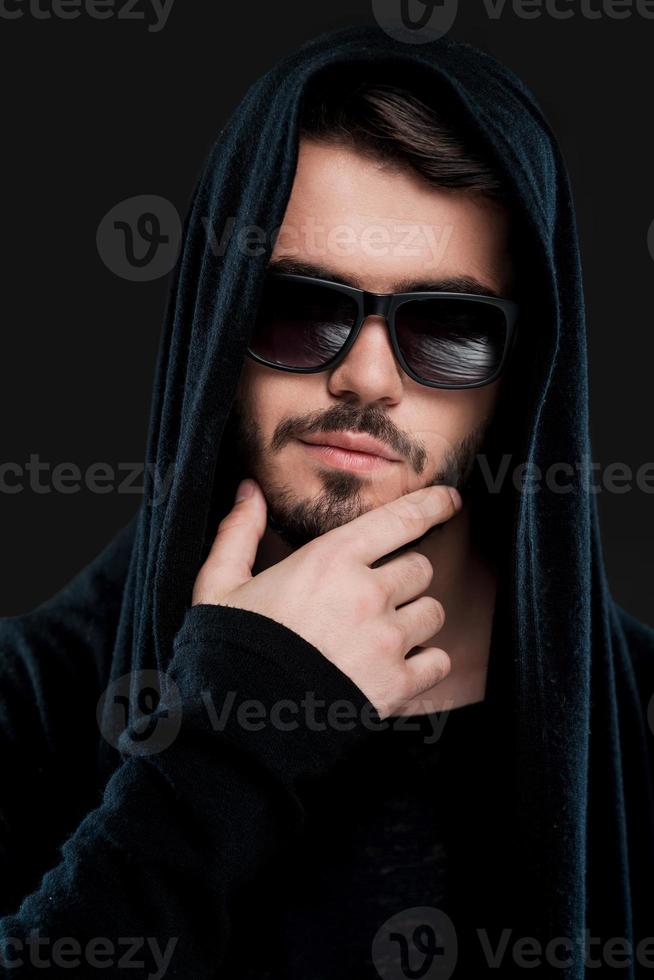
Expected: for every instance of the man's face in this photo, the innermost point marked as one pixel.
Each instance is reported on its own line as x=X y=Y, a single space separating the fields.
x=384 y=230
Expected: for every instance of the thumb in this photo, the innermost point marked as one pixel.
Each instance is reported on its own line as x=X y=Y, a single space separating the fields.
x=234 y=550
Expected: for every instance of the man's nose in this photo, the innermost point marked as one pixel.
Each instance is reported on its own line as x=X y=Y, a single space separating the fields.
x=369 y=370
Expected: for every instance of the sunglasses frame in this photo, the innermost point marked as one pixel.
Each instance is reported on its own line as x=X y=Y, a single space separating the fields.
x=386 y=305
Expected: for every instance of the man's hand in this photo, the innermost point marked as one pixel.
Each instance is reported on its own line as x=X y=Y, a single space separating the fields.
x=327 y=593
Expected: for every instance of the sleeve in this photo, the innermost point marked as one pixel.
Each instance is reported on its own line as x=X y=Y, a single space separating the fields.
x=206 y=792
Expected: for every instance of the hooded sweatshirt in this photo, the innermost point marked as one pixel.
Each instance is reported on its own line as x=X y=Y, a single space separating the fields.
x=128 y=810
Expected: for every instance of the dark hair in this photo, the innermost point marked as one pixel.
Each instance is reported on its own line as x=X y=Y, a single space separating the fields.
x=391 y=124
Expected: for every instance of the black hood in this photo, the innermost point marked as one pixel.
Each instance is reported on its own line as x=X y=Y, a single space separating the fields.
x=561 y=689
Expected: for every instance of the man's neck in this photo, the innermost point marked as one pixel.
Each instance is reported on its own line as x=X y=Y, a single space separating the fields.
x=466 y=585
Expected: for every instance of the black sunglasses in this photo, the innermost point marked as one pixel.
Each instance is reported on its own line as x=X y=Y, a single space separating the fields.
x=443 y=340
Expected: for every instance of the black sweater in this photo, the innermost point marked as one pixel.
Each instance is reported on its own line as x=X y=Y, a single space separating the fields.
x=224 y=850
x=382 y=840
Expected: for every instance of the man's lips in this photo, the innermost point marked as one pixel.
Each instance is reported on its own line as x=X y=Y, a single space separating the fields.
x=353 y=442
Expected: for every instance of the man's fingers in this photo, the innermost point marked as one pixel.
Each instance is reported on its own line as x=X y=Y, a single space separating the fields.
x=427 y=668
x=234 y=550
x=421 y=619
x=405 y=577
x=382 y=530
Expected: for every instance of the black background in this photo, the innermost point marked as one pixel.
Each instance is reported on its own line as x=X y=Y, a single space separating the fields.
x=97 y=111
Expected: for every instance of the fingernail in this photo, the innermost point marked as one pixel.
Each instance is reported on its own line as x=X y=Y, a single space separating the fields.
x=245 y=490
x=456 y=498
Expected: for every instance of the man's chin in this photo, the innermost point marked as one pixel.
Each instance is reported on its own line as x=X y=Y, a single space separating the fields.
x=297 y=521
x=292 y=536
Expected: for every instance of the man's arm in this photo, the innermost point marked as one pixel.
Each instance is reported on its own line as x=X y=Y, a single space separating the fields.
x=179 y=829
x=206 y=794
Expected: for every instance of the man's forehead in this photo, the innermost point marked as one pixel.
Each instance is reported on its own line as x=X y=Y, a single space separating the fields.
x=389 y=230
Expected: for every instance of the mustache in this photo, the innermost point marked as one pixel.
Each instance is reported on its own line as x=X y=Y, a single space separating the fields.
x=246 y=445
x=371 y=420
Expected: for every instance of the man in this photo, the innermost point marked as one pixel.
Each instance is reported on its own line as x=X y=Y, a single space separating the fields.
x=260 y=806
x=430 y=434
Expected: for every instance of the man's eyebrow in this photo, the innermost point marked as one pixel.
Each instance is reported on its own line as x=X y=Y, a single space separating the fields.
x=453 y=284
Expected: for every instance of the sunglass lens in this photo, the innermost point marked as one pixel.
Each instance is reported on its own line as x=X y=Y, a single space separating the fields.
x=451 y=341
x=301 y=325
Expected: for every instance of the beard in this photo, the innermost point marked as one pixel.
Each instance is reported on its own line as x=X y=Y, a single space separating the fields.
x=340 y=499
